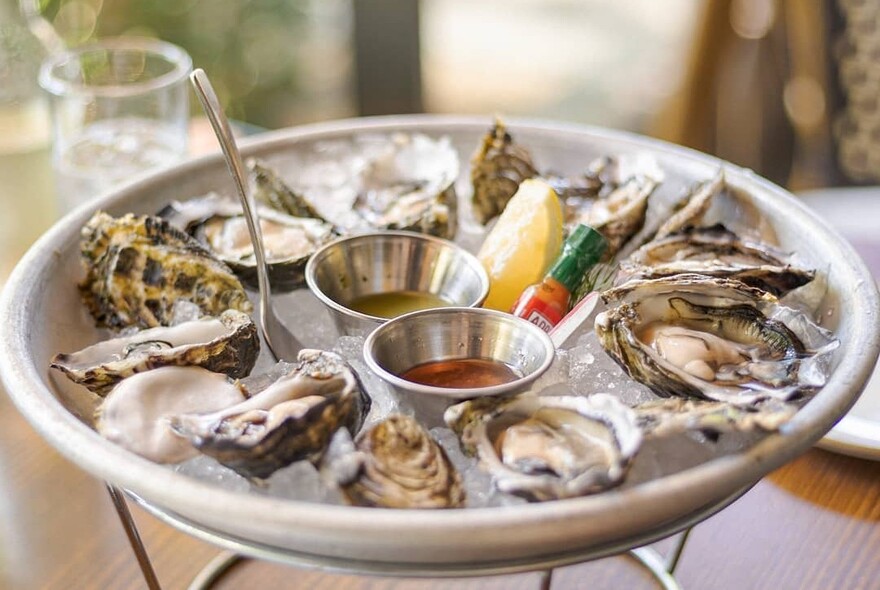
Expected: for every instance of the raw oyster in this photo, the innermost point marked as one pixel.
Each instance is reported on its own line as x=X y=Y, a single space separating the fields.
x=219 y=223
x=138 y=267
x=716 y=251
x=272 y=191
x=403 y=182
x=136 y=414
x=545 y=448
x=497 y=169
x=287 y=419
x=692 y=208
x=704 y=337
x=227 y=344
x=396 y=464
x=675 y=415
x=621 y=214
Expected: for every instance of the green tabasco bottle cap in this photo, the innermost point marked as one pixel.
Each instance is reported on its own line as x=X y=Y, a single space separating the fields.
x=582 y=249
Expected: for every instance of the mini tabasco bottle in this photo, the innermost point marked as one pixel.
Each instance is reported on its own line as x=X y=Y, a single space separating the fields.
x=546 y=303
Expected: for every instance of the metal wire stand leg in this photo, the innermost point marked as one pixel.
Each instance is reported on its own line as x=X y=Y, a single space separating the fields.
x=213 y=571
x=662 y=570
x=134 y=537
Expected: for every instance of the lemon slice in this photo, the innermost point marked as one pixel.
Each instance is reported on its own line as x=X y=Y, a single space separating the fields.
x=523 y=244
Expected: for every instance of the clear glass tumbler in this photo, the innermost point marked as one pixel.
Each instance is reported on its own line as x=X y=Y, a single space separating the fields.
x=119 y=107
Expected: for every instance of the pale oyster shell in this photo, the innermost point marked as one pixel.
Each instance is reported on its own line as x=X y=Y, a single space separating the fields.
x=227 y=344
x=549 y=447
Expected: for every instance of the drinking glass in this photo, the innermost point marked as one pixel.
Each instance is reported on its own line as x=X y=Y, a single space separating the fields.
x=119 y=107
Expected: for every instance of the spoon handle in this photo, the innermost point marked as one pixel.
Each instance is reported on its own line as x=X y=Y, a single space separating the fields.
x=218 y=121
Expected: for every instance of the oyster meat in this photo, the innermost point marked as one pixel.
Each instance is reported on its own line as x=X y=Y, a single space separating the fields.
x=703 y=337
x=227 y=344
x=136 y=414
x=219 y=224
x=138 y=267
x=398 y=465
x=545 y=448
x=717 y=251
x=290 y=417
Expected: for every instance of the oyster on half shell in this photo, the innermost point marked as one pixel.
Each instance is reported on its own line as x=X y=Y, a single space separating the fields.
x=703 y=337
x=400 y=182
x=675 y=415
x=717 y=251
x=291 y=416
x=545 y=448
x=219 y=223
x=227 y=344
x=137 y=268
x=136 y=414
x=396 y=464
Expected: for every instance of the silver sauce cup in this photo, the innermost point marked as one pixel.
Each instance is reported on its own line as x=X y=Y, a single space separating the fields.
x=458 y=333
x=389 y=261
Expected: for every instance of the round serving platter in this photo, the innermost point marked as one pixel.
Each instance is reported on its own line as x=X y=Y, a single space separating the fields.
x=42 y=314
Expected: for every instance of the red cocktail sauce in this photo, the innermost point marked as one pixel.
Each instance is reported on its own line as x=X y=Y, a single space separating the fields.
x=461 y=373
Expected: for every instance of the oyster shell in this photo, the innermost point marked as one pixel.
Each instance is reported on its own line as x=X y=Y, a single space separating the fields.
x=272 y=191
x=402 y=182
x=621 y=214
x=692 y=208
x=718 y=252
x=545 y=448
x=291 y=416
x=138 y=267
x=227 y=344
x=497 y=168
x=695 y=336
x=219 y=224
x=396 y=464
x=675 y=415
x=136 y=414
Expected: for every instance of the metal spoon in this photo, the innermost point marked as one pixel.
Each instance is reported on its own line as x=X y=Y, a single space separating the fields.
x=282 y=344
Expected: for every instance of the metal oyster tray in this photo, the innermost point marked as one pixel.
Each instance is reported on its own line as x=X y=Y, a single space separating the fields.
x=41 y=314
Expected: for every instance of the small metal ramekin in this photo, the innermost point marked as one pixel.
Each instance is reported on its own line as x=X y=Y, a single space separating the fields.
x=389 y=261
x=458 y=333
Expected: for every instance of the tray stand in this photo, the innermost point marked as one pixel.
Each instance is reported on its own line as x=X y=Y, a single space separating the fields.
x=661 y=569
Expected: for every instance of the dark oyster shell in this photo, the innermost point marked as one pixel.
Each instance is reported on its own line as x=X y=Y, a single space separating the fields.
x=403 y=467
x=497 y=169
x=291 y=419
x=138 y=267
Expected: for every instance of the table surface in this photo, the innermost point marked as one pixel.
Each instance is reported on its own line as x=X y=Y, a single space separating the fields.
x=810 y=524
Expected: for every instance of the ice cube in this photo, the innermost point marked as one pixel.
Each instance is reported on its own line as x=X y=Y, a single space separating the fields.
x=209 y=470
x=301 y=481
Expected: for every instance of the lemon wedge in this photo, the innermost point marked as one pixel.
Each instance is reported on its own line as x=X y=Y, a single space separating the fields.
x=523 y=244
